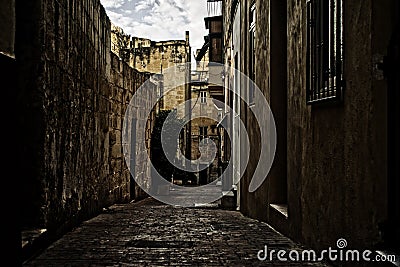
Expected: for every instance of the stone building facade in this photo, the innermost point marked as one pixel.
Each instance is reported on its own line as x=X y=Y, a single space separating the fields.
x=203 y=106
x=72 y=96
x=170 y=61
x=169 y=58
x=209 y=60
x=334 y=174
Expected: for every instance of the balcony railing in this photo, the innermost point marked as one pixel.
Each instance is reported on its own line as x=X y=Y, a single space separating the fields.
x=214 y=8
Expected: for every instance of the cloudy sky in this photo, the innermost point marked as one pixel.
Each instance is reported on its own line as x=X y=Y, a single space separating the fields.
x=160 y=20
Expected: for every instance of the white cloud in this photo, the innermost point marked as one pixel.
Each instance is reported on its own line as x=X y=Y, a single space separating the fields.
x=160 y=19
x=112 y=3
x=144 y=4
x=196 y=24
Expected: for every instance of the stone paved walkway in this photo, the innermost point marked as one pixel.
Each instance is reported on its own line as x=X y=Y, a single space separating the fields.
x=149 y=233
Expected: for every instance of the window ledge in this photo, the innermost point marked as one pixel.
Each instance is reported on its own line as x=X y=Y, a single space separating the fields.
x=281 y=208
x=387 y=253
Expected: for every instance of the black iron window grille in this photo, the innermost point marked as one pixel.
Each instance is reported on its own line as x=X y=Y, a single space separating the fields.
x=324 y=51
x=203 y=132
x=203 y=97
x=252 y=52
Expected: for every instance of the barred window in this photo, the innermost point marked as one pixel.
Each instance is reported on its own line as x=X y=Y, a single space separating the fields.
x=324 y=51
x=203 y=97
x=203 y=132
x=252 y=52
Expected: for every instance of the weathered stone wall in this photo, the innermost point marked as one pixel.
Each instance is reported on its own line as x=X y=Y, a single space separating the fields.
x=7 y=27
x=74 y=93
x=271 y=78
x=330 y=166
x=236 y=41
x=262 y=80
x=157 y=57
x=336 y=154
x=124 y=82
x=227 y=22
x=120 y=42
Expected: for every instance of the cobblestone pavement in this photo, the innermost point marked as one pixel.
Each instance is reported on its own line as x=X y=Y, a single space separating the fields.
x=149 y=233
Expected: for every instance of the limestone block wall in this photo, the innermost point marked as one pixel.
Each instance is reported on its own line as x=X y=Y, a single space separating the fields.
x=165 y=57
x=73 y=96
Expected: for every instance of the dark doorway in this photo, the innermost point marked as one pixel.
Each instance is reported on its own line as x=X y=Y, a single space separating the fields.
x=393 y=70
x=278 y=101
x=203 y=176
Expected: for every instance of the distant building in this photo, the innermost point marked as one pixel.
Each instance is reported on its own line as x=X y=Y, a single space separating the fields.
x=157 y=57
x=203 y=106
x=170 y=61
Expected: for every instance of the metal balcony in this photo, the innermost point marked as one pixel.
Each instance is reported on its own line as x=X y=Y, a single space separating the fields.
x=214 y=8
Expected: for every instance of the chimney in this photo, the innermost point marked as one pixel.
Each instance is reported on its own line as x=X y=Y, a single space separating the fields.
x=187 y=37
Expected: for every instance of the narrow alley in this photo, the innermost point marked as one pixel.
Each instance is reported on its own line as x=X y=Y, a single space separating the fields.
x=202 y=132
x=149 y=233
